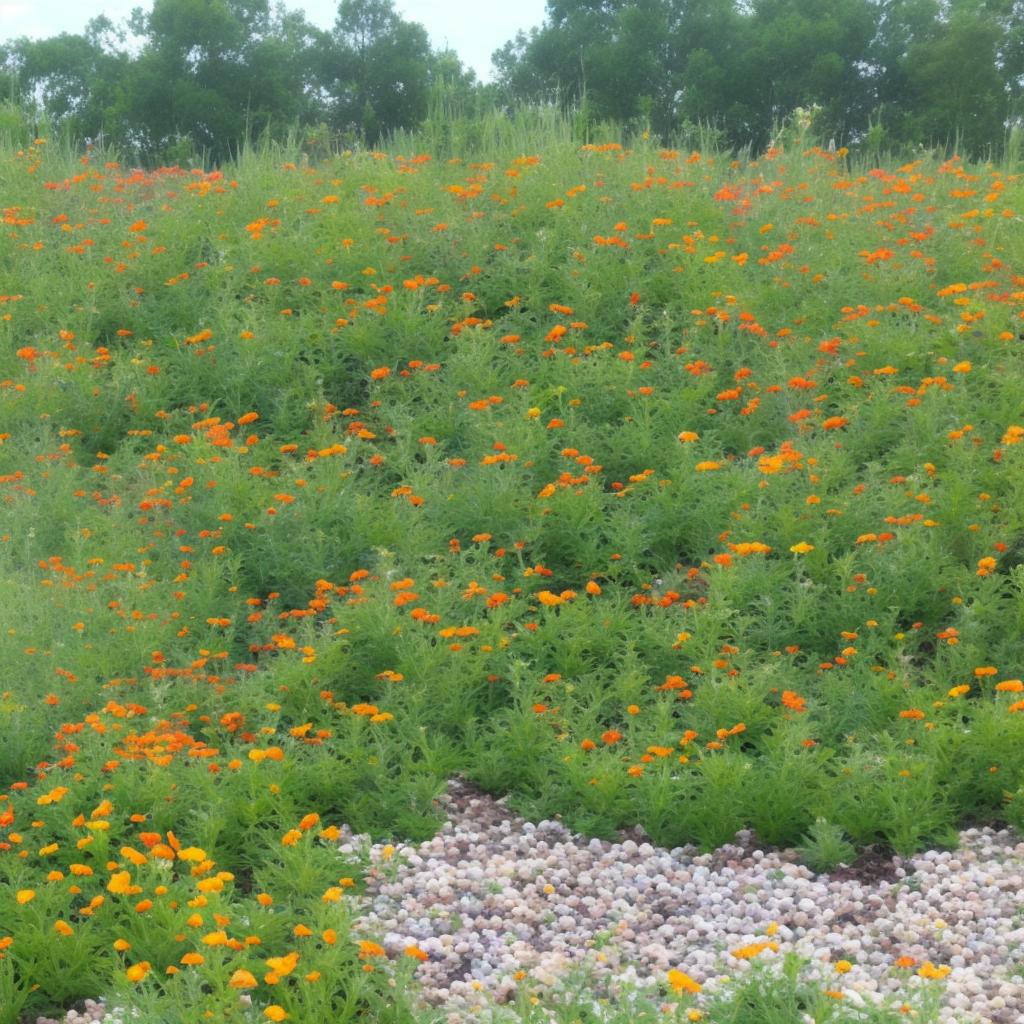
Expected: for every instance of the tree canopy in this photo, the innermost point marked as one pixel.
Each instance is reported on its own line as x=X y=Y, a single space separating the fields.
x=199 y=76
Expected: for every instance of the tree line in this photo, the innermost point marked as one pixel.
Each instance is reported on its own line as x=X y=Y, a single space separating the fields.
x=198 y=76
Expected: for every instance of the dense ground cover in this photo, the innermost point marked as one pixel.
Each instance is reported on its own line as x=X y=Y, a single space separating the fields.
x=648 y=486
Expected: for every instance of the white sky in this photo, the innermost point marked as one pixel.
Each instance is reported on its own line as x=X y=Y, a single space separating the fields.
x=473 y=28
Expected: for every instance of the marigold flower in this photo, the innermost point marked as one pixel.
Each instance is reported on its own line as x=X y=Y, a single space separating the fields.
x=283 y=965
x=242 y=979
x=753 y=949
x=793 y=701
x=680 y=982
x=834 y=423
x=121 y=884
x=138 y=971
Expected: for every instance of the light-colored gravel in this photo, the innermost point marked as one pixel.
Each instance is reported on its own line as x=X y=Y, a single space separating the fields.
x=492 y=895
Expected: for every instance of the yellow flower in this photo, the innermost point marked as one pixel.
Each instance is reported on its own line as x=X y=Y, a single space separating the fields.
x=754 y=949
x=681 y=982
x=802 y=548
x=121 y=883
x=283 y=965
x=138 y=971
x=842 y=966
x=25 y=896
x=275 y=1012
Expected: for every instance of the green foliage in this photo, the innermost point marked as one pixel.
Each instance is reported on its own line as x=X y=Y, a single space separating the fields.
x=825 y=847
x=208 y=77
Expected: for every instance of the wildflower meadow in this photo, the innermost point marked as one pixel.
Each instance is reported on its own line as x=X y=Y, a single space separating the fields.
x=653 y=488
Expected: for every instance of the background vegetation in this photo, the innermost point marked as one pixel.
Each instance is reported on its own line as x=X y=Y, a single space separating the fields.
x=193 y=78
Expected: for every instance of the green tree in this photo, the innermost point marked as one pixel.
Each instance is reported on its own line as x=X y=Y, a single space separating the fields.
x=950 y=70
x=76 y=79
x=375 y=69
x=804 y=53
x=211 y=72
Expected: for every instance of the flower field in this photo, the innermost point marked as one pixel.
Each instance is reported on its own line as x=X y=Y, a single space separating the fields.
x=649 y=487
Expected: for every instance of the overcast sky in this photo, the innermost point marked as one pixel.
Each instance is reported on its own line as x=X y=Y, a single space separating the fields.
x=473 y=28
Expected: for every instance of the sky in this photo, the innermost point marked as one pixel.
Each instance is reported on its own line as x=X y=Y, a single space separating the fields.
x=473 y=28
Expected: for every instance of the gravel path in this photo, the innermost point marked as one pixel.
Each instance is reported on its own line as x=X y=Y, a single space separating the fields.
x=492 y=895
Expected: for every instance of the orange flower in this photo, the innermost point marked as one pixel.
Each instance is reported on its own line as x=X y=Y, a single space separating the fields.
x=793 y=701
x=680 y=982
x=611 y=737
x=138 y=971
x=368 y=949
x=242 y=979
x=282 y=965
x=754 y=949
